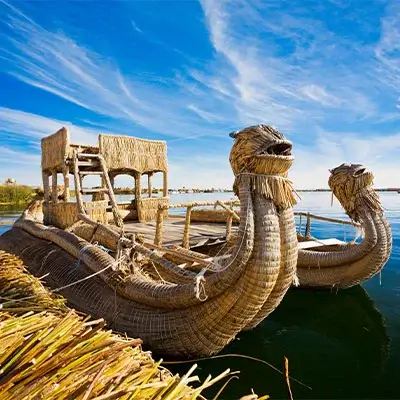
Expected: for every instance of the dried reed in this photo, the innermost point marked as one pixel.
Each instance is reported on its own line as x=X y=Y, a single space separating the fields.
x=51 y=352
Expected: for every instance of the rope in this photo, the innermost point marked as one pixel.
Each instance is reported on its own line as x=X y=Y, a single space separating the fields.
x=199 y=285
x=80 y=254
x=60 y=288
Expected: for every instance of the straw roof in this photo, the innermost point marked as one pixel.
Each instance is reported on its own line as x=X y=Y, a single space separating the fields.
x=128 y=153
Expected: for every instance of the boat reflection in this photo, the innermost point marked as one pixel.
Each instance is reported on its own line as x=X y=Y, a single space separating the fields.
x=335 y=342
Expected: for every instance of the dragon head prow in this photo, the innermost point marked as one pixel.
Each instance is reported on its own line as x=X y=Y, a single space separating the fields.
x=262 y=156
x=352 y=186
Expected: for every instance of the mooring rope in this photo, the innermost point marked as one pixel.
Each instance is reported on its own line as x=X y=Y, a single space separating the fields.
x=62 y=287
x=199 y=286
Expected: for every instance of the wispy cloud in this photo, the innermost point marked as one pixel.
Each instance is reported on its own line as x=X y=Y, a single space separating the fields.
x=334 y=91
x=20 y=135
x=54 y=62
x=16 y=124
x=299 y=69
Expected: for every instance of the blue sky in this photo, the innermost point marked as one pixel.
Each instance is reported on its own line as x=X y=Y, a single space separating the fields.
x=324 y=72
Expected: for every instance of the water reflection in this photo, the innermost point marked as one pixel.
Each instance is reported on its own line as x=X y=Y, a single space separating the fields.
x=335 y=343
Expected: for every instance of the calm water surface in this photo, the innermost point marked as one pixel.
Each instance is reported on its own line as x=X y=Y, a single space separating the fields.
x=343 y=345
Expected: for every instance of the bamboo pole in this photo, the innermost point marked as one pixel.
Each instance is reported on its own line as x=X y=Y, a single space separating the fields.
x=204 y=203
x=230 y=210
x=327 y=219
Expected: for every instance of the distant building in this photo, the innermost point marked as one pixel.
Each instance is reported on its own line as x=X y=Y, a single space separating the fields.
x=10 y=181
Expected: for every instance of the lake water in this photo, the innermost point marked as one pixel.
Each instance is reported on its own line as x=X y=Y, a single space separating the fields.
x=343 y=345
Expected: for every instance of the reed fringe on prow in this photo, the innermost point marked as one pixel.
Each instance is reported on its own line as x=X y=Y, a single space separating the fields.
x=275 y=188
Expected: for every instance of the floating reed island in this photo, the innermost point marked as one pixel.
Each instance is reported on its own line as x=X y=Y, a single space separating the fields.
x=51 y=352
x=133 y=264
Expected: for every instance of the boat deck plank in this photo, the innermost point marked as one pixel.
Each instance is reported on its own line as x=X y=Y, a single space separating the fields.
x=173 y=230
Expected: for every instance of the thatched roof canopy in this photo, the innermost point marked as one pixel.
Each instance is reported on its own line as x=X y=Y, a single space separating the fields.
x=126 y=153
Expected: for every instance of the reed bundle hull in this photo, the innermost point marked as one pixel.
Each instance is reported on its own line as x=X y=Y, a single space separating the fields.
x=144 y=290
x=331 y=263
x=350 y=264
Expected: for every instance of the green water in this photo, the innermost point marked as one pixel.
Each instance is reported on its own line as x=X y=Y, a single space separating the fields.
x=343 y=345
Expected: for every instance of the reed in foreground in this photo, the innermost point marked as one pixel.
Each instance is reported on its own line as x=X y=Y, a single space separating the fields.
x=51 y=352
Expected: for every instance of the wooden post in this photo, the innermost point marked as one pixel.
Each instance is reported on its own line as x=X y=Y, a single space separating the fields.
x=308 y=226
x=229 y=226
x=78 y=185
x=54 y=194
x=138 y=192
x=66 y=183
x=159 y=227
x=117 y=217
x=165 y=184
x=149 y=184
x=46 y=186
x=186 y=232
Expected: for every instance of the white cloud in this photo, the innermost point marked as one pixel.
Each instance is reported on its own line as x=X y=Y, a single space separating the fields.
x=313 y=75
x=18 y=128
x=32 y=127
x=312 y=92
x=54 y=62
x=319 y=94
x=378 y=154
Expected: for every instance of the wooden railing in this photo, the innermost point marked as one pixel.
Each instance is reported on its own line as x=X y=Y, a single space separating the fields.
x=189 y=207
x=232 y=215
x=310 y=216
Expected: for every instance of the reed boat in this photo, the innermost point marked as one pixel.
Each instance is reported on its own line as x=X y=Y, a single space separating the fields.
x=342 y=265
x=136 y=266
x=332 y=263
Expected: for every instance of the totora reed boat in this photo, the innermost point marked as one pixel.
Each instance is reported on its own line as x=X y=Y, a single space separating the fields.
x=126 y=262
x=332 y=263
x=188 y=285
x=347 y=264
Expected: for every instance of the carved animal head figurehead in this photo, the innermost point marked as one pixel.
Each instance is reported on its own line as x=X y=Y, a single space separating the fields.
x=352 y=186
x=262 y=157
x=261 y=149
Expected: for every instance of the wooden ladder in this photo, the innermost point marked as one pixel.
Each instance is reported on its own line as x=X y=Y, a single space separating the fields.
x=94 y=164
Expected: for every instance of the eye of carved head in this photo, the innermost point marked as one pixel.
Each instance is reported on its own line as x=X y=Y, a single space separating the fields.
x=260 y=149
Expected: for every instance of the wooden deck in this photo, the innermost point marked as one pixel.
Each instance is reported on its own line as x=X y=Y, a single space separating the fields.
x=173 y=230
x=201 y=233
